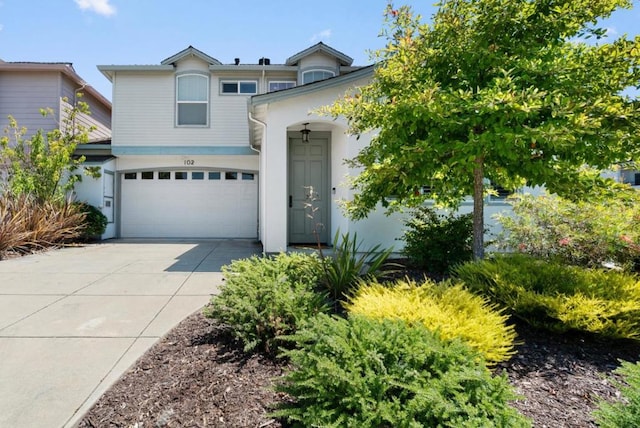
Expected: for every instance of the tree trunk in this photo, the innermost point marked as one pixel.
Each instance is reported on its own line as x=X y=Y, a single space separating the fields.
x=478 y=209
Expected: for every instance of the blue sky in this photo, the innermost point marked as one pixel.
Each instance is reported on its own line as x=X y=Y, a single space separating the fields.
x=91 y=32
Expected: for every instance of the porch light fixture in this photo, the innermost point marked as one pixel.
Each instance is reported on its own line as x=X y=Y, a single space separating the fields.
x=305 y=133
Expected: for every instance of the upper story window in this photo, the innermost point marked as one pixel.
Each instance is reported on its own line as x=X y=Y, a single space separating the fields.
x=246 y=87
x=315 y=75
x=192 y=99
x=281 y=84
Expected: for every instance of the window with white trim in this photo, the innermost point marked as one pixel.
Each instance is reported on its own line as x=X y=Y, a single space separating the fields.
x=243 y=87
x=192 y=99
x=279 y=85
x=315 y=75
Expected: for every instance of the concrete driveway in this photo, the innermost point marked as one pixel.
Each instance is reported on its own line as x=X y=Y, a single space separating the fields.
x=73 y=320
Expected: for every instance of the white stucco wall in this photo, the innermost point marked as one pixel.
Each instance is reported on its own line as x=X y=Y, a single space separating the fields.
x=377 y=228
x=290 y=114
x=92 y=191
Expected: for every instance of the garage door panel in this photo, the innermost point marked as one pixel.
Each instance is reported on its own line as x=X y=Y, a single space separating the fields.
x=189 y=208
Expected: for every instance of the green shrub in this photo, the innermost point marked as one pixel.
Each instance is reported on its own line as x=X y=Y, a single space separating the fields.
x=625 y=413
x=349 y=263
x=436 y=242
x=362 y=372
x=580 y=233
x=266 y=297
x=28 y=224
x=559 y=297
x=95 y=223
x=448 y=309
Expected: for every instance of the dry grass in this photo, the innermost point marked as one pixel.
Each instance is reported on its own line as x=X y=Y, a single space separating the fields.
x=27 y=224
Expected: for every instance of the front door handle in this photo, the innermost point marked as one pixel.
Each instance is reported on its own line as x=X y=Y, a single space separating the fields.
x=290 y=201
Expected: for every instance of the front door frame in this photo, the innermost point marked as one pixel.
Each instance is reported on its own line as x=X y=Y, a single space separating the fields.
x=327 y=202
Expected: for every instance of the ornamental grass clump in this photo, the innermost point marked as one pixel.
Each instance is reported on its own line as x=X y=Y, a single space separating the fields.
x=366 y=372
x=28 y=224
x=444 y=307
x=349 y=263
x=558 y=297
x=266 y=297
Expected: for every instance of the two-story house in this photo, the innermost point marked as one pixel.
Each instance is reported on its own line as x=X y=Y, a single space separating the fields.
x=211 y=150
x=28 y=87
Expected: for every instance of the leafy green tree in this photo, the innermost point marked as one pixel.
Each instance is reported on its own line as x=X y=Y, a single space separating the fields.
x=493 y=91
x=44 y=165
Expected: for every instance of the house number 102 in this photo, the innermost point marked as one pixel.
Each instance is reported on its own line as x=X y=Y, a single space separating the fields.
x=189 y=162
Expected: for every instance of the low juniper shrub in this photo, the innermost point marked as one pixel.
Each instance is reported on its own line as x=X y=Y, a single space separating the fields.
x=364 y=372
x=558 y=297
x=624 y=413
x=445 y=307
x=266 y=297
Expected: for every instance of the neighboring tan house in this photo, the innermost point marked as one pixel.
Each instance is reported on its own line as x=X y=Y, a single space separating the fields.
x=28 y=87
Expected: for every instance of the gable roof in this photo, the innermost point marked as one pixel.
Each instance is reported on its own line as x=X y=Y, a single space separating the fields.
x=320 y=47
x=319 y=85
x=190 y=51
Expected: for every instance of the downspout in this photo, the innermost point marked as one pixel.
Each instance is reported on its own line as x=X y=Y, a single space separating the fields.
x=263 y=172
x=264 y=134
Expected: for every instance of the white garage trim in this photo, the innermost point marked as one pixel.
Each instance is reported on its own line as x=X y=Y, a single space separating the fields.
x=188 y=203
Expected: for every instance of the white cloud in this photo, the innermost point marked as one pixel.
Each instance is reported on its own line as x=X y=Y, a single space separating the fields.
x=1 y=27
x=101 y=7
x=324 y=34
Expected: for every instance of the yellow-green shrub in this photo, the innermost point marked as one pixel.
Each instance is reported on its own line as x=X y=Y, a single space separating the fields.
x=558 y=297
x=445 y=307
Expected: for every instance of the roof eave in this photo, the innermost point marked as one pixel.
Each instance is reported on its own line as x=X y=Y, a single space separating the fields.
x=270 y=97
x=320 y=47
x=190 y=51
x=109 y=70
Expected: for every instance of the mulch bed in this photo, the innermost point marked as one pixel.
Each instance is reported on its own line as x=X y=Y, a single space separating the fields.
x=197 y=377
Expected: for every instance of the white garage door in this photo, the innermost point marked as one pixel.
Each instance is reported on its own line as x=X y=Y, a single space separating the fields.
x=189 y=204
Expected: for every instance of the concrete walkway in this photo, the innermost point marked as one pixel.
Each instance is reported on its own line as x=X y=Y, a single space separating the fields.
x=73 y=320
